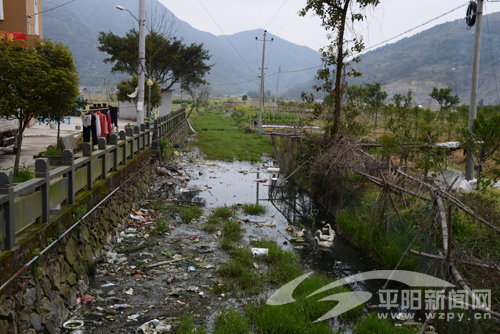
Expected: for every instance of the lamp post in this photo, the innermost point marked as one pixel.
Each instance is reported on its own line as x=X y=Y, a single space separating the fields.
x=142 y=59
x=150 y=83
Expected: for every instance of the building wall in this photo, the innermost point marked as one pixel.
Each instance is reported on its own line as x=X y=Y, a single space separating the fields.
x=15 y=13
x=166 y=103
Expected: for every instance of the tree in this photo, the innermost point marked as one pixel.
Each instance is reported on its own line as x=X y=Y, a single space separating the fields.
x=35 y=81
x=375 y=97
x=252 y=94
x=336 y=15
x=128 y=86
x=168 y=60
x=200 y=95
x=445 y=100
x=485 y=139
x=244 y=98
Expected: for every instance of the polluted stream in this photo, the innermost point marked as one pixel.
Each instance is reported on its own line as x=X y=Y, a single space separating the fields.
x=129 y=292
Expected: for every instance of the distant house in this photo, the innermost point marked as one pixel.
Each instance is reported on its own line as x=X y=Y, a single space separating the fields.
x=19 y=19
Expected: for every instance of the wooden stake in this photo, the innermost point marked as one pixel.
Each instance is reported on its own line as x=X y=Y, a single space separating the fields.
x=166 y=262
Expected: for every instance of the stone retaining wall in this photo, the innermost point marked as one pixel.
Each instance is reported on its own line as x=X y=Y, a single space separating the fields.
x=44 y=295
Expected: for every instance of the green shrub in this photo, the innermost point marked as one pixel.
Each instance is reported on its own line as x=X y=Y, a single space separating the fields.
x=187 y=326
x=231 y=322
x=253 y=209
x=222 y=212
x=52 y=151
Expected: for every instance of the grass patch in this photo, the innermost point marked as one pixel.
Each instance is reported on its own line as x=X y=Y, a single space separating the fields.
x=220 y=139
x=187 y=326
x=363 y=226
x=222 y=212
x=161 y=225
x=298 y=317
x=24 y=173
x=371 y=324
x=253 y=209
x=241 y=272
x=212 y=225
x=189 y=213
x=52 y=151
x=231 y=322
x=232 y=231
x=283 y=265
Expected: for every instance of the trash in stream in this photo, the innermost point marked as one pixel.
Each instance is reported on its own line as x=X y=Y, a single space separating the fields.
x=254 y=219
x=260 y=180
x=260 y=252
x=268 y=224
x=129 y=291
x=204 y=249
x=73 y=324
x=170 y=279
x=118 y=306
x=154 y=326
x=194 y=239
x=191 y=268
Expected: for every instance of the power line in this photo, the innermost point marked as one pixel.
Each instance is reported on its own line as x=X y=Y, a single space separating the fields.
x=492 y=59
x=48 y=10
x=226 y=37
x=420 y=25
x=274 y=16
x=286 y=23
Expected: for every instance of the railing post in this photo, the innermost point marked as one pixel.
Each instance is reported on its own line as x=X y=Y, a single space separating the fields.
x=7 y=188
x=136 y=135
x=87 y=152
x=155 y=130
x=148 y=129
x=101 y=145
x=142 y=136
x=123 y=136
x=113 y=140
x=68 y=160
x=42 y=171
x=130 y=133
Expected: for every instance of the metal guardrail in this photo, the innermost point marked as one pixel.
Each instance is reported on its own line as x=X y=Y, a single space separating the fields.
x=30 y=202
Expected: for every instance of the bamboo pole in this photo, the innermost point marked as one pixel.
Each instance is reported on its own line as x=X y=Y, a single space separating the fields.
x=166 y=262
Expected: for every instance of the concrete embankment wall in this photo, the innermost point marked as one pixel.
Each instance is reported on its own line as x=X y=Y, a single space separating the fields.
x=43 y=296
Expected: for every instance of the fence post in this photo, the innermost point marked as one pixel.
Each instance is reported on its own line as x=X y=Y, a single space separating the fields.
x=142 y=136
x=6 y=188
x=136 y=135
x=155 y=130
x=42 y=171
x=148 y=129
x=113 y=140
x=68 y=160
x=87 y=152
x=101 y=144
x=130 y=133
x=123 y=136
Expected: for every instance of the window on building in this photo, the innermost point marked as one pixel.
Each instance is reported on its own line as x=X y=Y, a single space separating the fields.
x=1 y=9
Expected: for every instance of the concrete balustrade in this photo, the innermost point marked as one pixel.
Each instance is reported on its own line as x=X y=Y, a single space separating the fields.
x=31 y=202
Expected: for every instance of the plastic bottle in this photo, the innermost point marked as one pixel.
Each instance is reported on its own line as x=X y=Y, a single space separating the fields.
x=119 y=306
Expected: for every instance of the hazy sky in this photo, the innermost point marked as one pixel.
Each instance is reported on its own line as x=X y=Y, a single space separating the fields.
x=280 y=18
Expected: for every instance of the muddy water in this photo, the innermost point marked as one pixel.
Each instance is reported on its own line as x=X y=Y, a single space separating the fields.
x=233 y=183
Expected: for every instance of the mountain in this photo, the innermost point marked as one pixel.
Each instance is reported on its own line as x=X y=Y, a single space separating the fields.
x=235 y=72
x=438 y=57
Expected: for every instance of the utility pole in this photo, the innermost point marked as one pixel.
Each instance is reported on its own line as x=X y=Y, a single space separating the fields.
x=142 y=61
x=276 y=95
x=469 y=169
x=261 y=99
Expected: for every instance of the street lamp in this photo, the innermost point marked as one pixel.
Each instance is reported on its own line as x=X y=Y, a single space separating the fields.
x=150 y=83
x=142 y=59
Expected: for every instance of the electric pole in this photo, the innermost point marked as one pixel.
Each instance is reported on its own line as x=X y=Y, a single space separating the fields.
x=142 y=61
x=261 y=99
x=276 y=95
x=469 y=169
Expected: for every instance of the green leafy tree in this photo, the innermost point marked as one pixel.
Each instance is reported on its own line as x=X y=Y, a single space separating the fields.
x=168 y=60
x=128 y=86
x=35 y=81
x=336 y=17
x=485 y=139
x=244 y=98
x=374 y=96
x=445 y=100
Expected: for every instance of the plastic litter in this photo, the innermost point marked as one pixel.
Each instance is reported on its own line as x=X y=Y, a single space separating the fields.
x=260 y=252
x=260 y=180
x=154 y=326
x=191 y=268
x=170 y=279
x=254 y=219
x=73 y=324
x=108 y=284
x=117 y=306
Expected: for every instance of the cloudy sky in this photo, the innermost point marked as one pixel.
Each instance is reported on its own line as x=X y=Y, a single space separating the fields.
x=279 y=17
